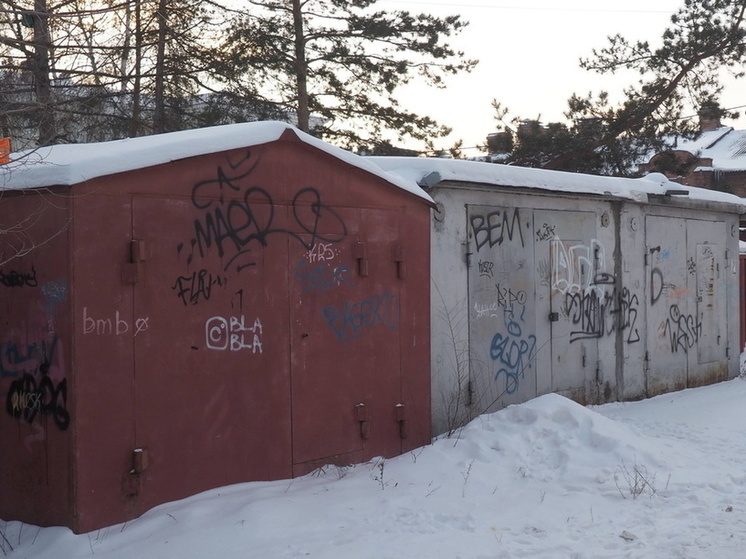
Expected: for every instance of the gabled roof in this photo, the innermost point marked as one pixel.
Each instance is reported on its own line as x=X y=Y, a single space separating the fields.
x=725 y=146
x=70 y=164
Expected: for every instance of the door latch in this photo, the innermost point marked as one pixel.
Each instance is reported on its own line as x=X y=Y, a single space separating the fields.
x=361 y=416
x=401 y=419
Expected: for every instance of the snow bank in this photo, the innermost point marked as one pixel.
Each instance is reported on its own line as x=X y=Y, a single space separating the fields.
x=660 y=478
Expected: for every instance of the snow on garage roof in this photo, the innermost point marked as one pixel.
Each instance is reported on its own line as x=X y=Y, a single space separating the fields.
x=432 y=171
x=69 y=164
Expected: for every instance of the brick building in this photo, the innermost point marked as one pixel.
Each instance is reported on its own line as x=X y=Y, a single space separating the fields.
x=715 y=159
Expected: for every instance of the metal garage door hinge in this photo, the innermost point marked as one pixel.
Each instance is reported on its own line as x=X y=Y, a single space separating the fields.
x=358 y=253
x=132 y=270
x=397 y=253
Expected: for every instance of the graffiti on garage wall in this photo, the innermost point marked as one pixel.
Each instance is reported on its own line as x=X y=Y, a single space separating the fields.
x=31 y=360
x=233 y=333
x=320 y=278
x=496 y=227
x=38 y=389
x=592 y=302
x=14 y=278
x=112 y=324
x=512 y=350
x=682 y=330
x=238 y=217
x=598 y=313
x=354 y=318
x=588 y=296
x=197 y=286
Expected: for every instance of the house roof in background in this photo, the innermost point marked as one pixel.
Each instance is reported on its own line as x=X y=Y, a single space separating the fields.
x=725 y=146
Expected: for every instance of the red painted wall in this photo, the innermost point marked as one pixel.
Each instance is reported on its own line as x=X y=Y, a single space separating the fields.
x=229 y=314
x=36 y=376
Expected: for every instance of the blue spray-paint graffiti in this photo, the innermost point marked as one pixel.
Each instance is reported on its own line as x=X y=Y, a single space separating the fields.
x=353 y=319
x=55 y=292
x=513 y=352
x=19 y=358
x=320 y=278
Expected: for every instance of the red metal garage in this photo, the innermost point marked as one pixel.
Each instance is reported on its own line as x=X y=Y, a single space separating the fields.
x=242 y=303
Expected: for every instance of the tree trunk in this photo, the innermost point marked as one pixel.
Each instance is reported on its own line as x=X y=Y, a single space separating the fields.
x=159 y=116
x=41 y=72
x=136 y=33
x=301 y=68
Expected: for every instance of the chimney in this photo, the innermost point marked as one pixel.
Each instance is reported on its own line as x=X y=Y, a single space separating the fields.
x=709 y=118
x=500 y=142
x=591 y=126
x=529 y=127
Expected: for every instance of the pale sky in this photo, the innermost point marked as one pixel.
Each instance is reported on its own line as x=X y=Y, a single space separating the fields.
x=528 y=52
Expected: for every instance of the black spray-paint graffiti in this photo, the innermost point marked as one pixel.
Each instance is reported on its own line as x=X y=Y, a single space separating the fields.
x=513 y=352
x=34 y=392
x=234 y=227
x=658 y=286
x=322 y=277
x=486 y=268
x=496 y=227
x=691 y=265
x=545 y=232
x=353 y=319
x=197 y=287
x=18 y=279
x=506 y=297
x=597 y=313
x=27 y=398
x=683 y=330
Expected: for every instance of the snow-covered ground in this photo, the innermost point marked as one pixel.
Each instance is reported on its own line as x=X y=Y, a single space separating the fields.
x=661 y=478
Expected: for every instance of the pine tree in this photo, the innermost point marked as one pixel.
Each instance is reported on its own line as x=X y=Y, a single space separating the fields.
x=92 y=70
x=337 y=64
x=677 y=78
